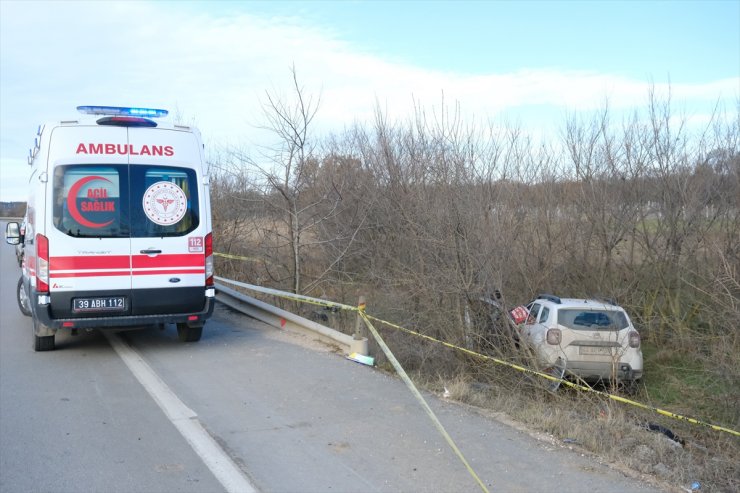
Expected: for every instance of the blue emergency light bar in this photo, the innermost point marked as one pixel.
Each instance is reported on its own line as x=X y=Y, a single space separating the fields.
x=122 y=111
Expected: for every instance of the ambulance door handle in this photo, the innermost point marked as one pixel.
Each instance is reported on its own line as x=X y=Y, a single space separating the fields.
x=150 y=252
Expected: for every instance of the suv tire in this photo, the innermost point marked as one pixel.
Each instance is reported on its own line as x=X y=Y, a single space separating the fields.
x=630 y=387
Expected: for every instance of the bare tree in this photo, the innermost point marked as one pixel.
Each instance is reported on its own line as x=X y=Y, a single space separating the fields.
x=305 y=226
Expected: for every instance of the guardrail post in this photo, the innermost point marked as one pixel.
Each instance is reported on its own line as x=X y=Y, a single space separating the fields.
x=359 y=342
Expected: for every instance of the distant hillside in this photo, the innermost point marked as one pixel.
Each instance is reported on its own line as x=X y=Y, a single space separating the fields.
x=12 y=209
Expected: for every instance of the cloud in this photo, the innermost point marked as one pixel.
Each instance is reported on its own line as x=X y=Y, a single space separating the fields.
x=215 y=66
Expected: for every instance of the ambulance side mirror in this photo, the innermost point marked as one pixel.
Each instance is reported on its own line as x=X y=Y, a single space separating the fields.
x=13 y=233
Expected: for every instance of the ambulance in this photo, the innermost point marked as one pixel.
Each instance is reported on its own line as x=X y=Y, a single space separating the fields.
x=118 y=226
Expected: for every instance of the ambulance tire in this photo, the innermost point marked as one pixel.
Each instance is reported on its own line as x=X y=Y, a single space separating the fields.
x=42 y=343
x=189 y=334
x=24 y=302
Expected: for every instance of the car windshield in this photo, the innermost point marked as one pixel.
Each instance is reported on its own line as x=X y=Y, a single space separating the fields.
x=592 y=319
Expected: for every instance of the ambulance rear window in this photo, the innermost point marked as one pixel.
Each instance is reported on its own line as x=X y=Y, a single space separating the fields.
x=164 y=201
x=89 y=201
x=121 y=201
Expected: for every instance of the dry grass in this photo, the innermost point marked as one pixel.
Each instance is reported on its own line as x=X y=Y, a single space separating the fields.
x=614 y=431
x=699 y=384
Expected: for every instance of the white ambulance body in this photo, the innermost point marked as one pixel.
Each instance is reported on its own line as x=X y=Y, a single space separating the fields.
x=119 y=225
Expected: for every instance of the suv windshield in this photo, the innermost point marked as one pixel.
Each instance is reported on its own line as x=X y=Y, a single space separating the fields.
x=592 y=319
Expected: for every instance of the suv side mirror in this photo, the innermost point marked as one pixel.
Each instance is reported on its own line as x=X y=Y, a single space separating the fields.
x=13 y=234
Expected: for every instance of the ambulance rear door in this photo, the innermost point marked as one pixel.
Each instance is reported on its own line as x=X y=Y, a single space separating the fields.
x=168 y=221
x=86 y=226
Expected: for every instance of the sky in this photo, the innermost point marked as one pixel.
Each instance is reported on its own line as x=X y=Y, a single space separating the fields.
x=212 y=64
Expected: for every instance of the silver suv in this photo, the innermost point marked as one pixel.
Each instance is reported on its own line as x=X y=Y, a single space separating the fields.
x=593 y=340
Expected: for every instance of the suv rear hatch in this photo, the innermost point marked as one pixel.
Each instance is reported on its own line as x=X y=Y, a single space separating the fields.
x=593 y=339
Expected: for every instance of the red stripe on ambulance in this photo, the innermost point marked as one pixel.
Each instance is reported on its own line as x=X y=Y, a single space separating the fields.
x=84 y=263
x=171 y=260
x=168 y=271
x=97 y=273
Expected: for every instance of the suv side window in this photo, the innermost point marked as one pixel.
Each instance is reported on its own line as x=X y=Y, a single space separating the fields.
x=534 y=310
x=544 y=314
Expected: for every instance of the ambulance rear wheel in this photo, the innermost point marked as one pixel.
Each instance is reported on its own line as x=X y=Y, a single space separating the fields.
x=43 y=343
x=189 y=334
x=24 y=302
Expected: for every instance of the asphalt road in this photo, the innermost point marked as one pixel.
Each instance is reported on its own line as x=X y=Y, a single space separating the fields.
x=292 y=416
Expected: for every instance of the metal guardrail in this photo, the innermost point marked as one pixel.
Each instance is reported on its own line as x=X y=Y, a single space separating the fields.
x=282 y=319
x=274 y=315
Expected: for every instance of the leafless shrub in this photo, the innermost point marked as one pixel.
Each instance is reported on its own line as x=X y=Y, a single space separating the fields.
x=428 y=217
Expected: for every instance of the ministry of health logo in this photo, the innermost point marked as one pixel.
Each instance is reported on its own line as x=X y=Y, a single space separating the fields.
x=165 y=203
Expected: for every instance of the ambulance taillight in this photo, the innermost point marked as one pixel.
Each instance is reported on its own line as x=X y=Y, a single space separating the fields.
x=209 y=259
x=42 y=264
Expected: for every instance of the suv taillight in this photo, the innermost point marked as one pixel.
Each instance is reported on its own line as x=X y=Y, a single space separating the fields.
x=634 y=339
x=209 y=259
x=42 y=264
x=554 y=336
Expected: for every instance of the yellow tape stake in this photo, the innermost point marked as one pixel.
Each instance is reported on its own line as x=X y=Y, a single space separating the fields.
x=399 y=369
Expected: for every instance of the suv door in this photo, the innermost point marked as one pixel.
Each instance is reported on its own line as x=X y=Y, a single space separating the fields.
x=530 y=324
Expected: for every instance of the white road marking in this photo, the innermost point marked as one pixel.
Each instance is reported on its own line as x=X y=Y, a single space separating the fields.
x=184 y=419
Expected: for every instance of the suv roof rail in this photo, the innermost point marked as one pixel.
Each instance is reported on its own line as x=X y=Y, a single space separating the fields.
x=549 y=297
x=606 y=299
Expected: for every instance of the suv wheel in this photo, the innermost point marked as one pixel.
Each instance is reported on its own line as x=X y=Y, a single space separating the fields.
x=556 y=371
x=630 y=387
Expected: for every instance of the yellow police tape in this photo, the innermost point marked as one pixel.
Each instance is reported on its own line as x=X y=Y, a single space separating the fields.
x=399 y=369
x=237 y=257
x=663 y=412
x=402 y=373
x=565 y=382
